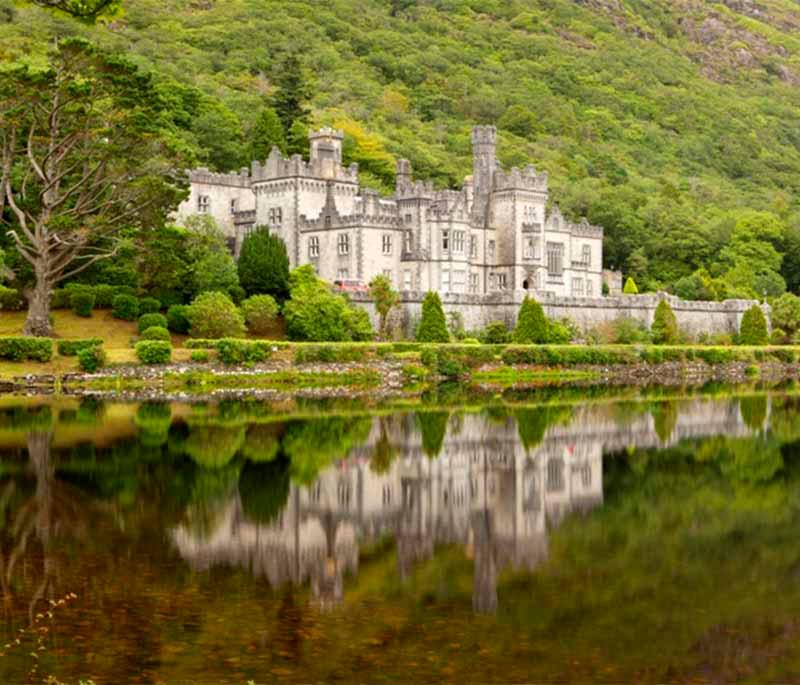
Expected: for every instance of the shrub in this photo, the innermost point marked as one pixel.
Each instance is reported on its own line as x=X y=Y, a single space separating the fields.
x=200 y=356
x=150 y=320
x=786 y=314
x=495 y=333
x=59 y=299
x=82 y=302
x=154 y=352
x=11 y=300
x=432 y=326
x=177 y=321
x=753 y=329
x=33 y=349
x=91 y=358
x=216 y=272
x=778 y=337
x=237 y=351
x=149 y=305
x=630 y=287
x=559 y=332
x=264 y=265
x=329 y=354
x=213 y=315
x=629 y=331
x=259 y=313
x=156 y=333
x=664 y=330
x=531 y=324
x=104 y=295
x=70 y=348
x=125 y=307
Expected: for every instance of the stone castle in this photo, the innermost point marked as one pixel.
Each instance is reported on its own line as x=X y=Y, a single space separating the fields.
x=495 y=235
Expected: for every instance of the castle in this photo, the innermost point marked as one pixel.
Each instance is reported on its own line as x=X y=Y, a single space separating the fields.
x=495 y=235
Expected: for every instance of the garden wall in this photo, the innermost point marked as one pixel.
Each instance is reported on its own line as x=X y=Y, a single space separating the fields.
x=477 y=311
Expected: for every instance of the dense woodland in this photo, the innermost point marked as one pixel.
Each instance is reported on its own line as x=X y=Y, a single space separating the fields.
x=673 y=124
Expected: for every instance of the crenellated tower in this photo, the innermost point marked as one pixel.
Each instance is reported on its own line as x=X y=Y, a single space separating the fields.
x=484 y=162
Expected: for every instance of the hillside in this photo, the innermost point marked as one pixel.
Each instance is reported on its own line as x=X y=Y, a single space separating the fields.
x=658 y=119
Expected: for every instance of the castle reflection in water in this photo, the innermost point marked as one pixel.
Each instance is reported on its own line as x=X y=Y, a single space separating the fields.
x=484 y=490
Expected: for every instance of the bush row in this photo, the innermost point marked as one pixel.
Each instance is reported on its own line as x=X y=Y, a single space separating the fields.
x=103 y=294
x=71 y=348
x=20 y=349
x=330 y=354
x=154 y=352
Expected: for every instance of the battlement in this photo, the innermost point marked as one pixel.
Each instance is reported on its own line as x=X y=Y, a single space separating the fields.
x=205 y=176
x=277 y=166
x=327 y=133
x=484 y=135
x=521 y=179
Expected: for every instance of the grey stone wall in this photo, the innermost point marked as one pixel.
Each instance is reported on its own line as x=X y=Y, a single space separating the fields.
x=476 y=311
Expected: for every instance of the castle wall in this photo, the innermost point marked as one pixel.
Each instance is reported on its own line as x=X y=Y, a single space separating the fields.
x=220 y=192
x=476 y=312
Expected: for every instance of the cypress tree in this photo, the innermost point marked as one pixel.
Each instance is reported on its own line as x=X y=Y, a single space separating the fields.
x=630 y=287
x=665 y=325
x=292 y=93
x=264 y=265
x=432 y=325
x=531 y=324
x=267 y=133
x=753 y=329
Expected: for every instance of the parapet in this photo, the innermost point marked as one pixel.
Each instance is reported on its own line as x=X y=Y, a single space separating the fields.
x=327 y=133
x=484 y=135
x=277 y=166
x=207 y=177
x=521 y=179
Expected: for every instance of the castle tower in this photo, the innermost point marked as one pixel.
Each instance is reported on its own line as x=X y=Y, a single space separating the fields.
x=484 y=162
x=326 y=151
x=404 y=175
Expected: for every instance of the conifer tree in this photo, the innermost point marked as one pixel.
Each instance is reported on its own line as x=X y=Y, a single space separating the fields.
x=753 y=329
x=531 y=324
x=292 y=94
x=432 y=325
x=630 y=287
x=267 y=133
x=665 y=325
x=264 y=265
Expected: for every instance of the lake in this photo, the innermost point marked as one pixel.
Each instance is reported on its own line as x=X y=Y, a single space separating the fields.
x=524 y=537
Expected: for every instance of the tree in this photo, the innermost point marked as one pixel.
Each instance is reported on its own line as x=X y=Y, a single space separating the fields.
x=82 y=156
x=267 y=133
x=216 y=271
x=753 y=329
x=638 y=264
x=786 y=314
x=386 y=299
x=665 y=330
x=292 y=93
x=162 y=264
x=264 y=265
x=432 y=326
x=81 y=9
x=213 y=315
x=630 y=287
x=531 y=324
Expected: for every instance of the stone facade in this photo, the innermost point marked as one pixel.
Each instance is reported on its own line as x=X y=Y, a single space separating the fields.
x=475 y=313
x=495 y=235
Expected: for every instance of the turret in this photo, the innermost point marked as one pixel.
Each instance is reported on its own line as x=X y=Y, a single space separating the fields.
x=484 y=162
x=404 y=175
x=326 y=144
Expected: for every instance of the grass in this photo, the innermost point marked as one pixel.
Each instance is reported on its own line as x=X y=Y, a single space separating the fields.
x=511 y=376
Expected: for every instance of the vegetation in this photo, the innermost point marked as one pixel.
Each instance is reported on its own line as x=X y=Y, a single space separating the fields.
x=630 y=287
x=664 y=330
x=125 y=307
x=753 y=329
x=386 y=299
x=156 y=333
x=264 y=265
x=90 y=359
x=214 y=315
x=432 y=326
x=259 y=313
x=177 y=320
x=531 y=323
x=150 y=320
x=154 y=352
x=81 y=302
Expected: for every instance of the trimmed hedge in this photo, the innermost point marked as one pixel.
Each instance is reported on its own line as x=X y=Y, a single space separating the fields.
x=82 y=302
x=91 y=358
x=32 y=349
x=238 y=351
x=154 y=352
x=125 y=307
x=149 y=305
x=59 y=298
x=177 y=321
x=11 y=300
x=200 y=356
x=156 y=333
x=71 y=348
x=330 y=354
x=151 y=320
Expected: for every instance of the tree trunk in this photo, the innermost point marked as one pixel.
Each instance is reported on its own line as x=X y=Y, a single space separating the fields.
x=38 y=321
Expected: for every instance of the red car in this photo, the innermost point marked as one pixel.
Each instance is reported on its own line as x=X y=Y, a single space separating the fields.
x=351 y=286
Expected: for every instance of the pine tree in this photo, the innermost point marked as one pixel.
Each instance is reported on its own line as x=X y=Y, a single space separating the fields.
x=753 y=329
x=630 y=287
x=531 y=324
x=432 y=325
x=267 y=133
x=264 y=265
x=292 y=94
x=665 y=325
x=297 y=140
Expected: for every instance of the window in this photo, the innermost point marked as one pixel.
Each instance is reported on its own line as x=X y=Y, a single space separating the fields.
x=530 y=213
x=530 y=249
x=343 y=274
x=555 y=475
x=343 y=243
x=473 y=283
x=328 y=221
x=234 y=205
x=577 y=287
x=586 y=255
x=408 y=241
x=313 y=247
x=459 y=281
x=555 y=259
x=407 y=283
x=408 y=218
x=502 y=282
x=275 y=216
x=473 y=246
x=387 y=495
x=445 y=281
x=445 y=241
x=388 y=274
x=203 y=204
x=586 y=475
x=589 y=288
x=491 y=249
x=458 y=241
x=386 y=243
x=492 y=281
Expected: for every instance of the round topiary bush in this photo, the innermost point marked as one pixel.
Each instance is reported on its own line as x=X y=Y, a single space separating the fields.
x=154 y=352
x=149 y=320
x=213 y=315
x=259 y=313
x=156 y=333
x=495 y=333
x=432 y=326
x=531 y=324
x=104 y=295
x=753 y=329
x=125 y=307
x=90 y=359
x=176 y=319
x=82 y=302
x=149 y=305
x=664 y=330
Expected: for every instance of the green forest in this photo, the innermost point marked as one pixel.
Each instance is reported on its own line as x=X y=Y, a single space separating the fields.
x=673 y=124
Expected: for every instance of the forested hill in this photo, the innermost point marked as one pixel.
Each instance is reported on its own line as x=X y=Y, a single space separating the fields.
x=662 y=120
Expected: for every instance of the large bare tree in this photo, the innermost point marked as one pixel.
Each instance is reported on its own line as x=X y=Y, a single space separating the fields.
x=83 y=155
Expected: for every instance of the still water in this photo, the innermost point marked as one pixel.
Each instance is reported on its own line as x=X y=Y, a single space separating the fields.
x=637 y=540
